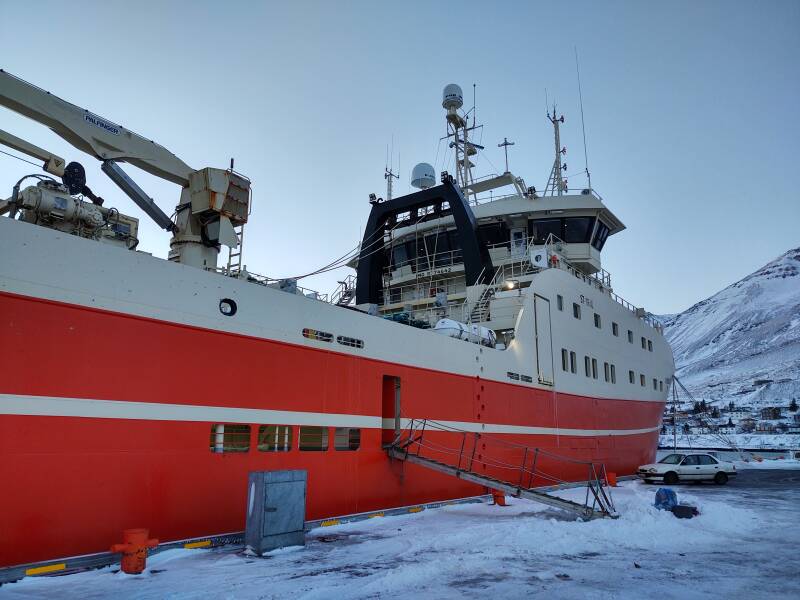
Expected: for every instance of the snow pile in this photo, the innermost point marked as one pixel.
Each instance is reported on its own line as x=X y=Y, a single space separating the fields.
x=470 y=550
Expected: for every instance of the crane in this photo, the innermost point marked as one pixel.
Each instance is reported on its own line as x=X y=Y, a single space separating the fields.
x=213 y=202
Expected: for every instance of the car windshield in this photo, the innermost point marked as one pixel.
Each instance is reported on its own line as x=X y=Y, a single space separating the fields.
x=672 y=459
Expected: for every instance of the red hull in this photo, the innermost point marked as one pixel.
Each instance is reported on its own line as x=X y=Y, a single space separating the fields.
x=74 y=483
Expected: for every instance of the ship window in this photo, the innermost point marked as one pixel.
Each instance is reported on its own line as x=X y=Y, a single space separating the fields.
x=660 y=385
x=274 y=438
x=577 y=230
x=587 y=365
x=313 y=438
x=576 y=310
x=348 y=341
x=644 y=344
x=321 y=336
x=607 y=372
x=495 y=234
x=399 y=255
x=615 y=329
x=650 y=345
x=527 y=378
x=564 y=359
x=541 y=229
x=229 y=437
x=347 y=438
x=642 y=379
x=560 y=302
x=573 y=362
x=613 y=374
x=655 y=384
x=631 y=376
x=512 y=375
x=630 y=336
x=600 y=236
x=594 y=368
x=597 y=322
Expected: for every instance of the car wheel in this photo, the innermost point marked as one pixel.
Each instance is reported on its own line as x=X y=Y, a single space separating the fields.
x=721 y=478
x=671 y=478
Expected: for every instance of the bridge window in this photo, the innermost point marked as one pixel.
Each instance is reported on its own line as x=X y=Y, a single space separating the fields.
x=631 y=376
x=560 y=302
x=313 y=438
x=642 y=379
x=541 y=229
x=613 y=374
x=594 y=368
x=597 y=322
x=587 y=364
x=229 y=437
x=655 y=384
x=607 y=371
x=573 y=362
x=650 y=345
x=644 y=344
x=630 y=336
x=274 y=438
x=576 y=310
x=577 y=230
x=600 y=235
x=347 y=438
x=615 y=329
x=564 y=360
x=660 y=385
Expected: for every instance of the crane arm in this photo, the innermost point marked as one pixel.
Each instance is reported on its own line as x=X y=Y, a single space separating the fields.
x=53 y=163
x=89 y=132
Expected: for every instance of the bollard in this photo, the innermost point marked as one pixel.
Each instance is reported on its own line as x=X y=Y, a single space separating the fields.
x=134 y=550
x=499 y=498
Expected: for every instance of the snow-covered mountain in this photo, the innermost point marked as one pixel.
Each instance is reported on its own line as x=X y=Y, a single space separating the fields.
x=743 y=343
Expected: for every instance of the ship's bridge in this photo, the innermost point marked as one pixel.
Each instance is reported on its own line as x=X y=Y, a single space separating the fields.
x=508 y=226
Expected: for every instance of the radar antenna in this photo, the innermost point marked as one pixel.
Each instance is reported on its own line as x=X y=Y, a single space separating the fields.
x=388 y=174
x=459 y=129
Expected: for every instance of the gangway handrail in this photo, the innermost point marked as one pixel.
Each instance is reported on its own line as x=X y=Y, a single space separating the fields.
x=411 y=445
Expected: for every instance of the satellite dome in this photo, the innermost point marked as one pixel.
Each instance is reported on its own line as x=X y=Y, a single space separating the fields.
x=452 y=97
x=423 y=176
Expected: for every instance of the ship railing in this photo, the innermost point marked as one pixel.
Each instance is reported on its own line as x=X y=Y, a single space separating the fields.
x=524 y=467
x=269 y=281
x=600 y=280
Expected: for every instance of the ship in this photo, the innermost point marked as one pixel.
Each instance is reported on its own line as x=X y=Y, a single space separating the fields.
x=141 y=391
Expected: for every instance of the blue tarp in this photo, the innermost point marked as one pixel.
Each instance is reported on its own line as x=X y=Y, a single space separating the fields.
x=666 y=499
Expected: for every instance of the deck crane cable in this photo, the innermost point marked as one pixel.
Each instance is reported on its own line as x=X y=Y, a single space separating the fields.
x=30 y=162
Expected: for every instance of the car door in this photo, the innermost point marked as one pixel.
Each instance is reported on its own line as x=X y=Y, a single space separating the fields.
x=709 y=466
x=689 y=468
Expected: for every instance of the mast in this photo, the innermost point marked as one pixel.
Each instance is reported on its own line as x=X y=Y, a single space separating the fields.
x=556 y=184
x=459 y=129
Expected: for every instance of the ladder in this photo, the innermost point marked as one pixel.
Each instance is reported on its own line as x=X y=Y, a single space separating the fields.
x=235 y=254
x=515 y=480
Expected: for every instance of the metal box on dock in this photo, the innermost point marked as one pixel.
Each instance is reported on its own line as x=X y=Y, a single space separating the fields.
x=276 y=510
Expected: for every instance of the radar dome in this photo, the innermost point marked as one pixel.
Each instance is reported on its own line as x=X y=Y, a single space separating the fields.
x=452 y=97
x=423 y=176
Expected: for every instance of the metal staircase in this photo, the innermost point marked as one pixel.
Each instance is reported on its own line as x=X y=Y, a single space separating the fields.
x=344 y=294
x=525 y=478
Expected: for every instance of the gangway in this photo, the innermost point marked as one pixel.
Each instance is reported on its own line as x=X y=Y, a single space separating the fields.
x=525 y=478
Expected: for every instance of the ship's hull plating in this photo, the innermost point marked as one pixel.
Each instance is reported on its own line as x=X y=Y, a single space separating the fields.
x=106 y=415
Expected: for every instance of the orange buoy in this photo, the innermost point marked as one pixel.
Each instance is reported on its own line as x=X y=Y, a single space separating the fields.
x=498 y=498
x=134 y=550
x=611 y=479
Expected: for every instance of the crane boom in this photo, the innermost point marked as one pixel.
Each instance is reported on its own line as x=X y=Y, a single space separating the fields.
x=89 y=132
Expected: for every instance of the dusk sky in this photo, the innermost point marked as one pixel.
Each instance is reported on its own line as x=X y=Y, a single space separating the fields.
x=691 y=115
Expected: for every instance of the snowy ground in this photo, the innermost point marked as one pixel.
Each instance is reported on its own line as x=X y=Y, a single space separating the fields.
x=745 y=543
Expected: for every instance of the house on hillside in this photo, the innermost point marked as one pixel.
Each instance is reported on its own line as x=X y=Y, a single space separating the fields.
x=740 y=412
x=796 y=419
x=765 y=427
x=747 y=425
x=771 y=412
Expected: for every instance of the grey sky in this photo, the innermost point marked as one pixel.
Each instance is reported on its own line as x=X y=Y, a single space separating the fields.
x=691 y=114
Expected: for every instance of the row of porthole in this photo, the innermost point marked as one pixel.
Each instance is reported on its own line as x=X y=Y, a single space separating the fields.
x=235 y=437
x=598 y=323
x=324 y=336
x=569 y=364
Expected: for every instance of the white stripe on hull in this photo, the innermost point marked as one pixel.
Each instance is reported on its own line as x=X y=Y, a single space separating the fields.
x=50 y=406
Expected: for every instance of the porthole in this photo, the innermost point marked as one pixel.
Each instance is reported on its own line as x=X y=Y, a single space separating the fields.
x=227 y=307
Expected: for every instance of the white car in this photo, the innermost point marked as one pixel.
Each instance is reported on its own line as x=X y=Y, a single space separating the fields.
x=687 y=467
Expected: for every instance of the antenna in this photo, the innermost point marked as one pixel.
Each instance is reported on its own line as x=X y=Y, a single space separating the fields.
x=583 y=124
x=388 y=174
x=505 y=146
x=556 y=184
